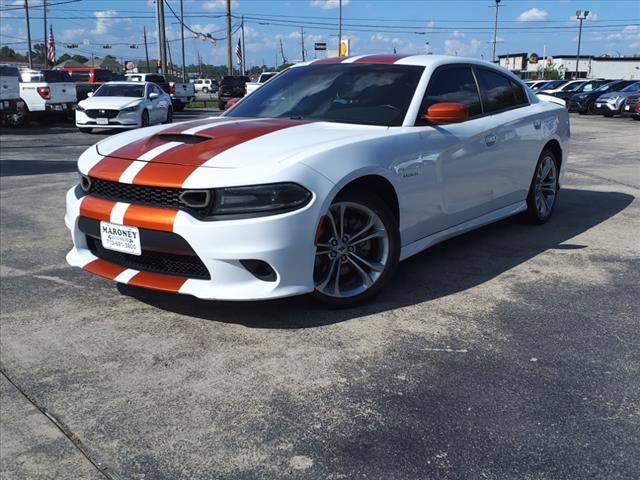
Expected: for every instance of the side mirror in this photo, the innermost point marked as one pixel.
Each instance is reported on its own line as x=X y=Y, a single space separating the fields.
x=89 y=94
x=441 y=113
x=153 y=95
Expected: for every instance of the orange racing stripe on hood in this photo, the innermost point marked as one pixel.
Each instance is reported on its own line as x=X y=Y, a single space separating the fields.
x=171 y=168
x=96 y=208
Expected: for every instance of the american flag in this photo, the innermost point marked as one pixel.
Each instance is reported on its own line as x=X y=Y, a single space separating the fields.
x=239 y=52
x=51 y=47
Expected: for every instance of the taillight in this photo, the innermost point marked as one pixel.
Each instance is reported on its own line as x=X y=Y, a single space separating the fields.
x=44 y=92
x=172 y=89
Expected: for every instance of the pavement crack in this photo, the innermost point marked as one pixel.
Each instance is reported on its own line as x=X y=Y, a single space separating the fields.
x=106 y=471
x=599 y=177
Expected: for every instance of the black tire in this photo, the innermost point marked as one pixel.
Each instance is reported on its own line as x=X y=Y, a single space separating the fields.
x=392 y=236
x=178 y=107
x=591 y=109
x=636 y=118
x=17 y=120
x=169 y=118
x=85 y=129
x=534 y=213
x=144 y=120
x=46 y=119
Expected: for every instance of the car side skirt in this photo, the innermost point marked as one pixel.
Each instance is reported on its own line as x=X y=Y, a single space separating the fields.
x=493 y=216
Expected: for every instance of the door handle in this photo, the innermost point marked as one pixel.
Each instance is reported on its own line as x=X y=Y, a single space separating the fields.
x=490 y=139
x=537 y=124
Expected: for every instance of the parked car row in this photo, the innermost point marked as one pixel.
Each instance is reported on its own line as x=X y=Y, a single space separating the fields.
x=595 y=97
x=43 y=95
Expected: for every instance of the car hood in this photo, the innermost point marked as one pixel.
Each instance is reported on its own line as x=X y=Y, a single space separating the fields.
x=226 y=142
x=112 y=103
x=604 y=96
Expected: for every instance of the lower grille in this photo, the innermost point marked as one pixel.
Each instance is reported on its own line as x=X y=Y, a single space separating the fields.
x=189 y=266
x=102 y=113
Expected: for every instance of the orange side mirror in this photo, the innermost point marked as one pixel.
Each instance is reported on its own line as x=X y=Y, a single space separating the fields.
x=447 y=113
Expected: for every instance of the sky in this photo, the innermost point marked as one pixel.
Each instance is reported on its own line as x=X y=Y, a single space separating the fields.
x=452 y=27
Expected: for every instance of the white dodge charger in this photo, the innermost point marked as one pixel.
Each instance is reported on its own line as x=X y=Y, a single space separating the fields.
x=320 y=182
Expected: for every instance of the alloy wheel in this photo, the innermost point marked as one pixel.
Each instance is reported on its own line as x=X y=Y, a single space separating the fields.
x=546 y=186
x=353 y=248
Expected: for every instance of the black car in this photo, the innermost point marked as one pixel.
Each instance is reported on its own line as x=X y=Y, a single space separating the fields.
x=584 y=103
x=585 y=87
x=231 y=87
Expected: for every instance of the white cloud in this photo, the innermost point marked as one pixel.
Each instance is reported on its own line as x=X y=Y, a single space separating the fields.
x=218 y=5
x=71 y=34
x=455 y=45
x=329 y=4
x=533 y=15
x=104 y=21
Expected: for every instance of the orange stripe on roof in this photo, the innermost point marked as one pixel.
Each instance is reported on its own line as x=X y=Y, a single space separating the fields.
x=387 y=59
x=96 y=208
x=153 y=218
x=109 y=168
x=169 y=169
x=329 y=61
x=104 y=269
x=157 y=281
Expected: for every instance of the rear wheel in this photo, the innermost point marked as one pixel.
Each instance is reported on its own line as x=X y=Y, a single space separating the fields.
x=357 y=250
x=18 y=119
x=144 y=120
x=179 y=107
x=543 y=191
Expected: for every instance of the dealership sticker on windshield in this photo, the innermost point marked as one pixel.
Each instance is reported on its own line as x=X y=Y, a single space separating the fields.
x=120 y=238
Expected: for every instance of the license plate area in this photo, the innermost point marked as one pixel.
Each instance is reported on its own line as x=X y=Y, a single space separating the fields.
x=102 y=121
x=120 y=238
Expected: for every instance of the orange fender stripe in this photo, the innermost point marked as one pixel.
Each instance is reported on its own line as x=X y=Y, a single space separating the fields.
x=157 y=281
x=96 y=208
x=153 y=218
x=109 y=168
x=104 y=269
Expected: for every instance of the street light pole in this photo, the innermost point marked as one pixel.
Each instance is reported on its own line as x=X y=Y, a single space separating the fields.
x=495 y=31
x=580 y=15
x=340 y=29
x=229 y=60
x=26 y=10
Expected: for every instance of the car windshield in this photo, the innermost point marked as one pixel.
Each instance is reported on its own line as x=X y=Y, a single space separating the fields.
x=120 y=90
x=553 y=84
x=572 y=86
x=634 y=87
x=345 y=93
x=605 y=87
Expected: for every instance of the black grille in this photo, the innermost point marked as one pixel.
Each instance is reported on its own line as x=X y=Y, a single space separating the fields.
x=102 y=113
x=189 y=266
x=155 y=196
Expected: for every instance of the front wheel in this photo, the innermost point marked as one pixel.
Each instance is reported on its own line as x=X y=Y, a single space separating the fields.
x=169 y=118
x=357 y=250
x=543 y=191
x=144 y=120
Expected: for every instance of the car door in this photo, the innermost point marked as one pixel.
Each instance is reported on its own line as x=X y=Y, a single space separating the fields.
x=519 y=129
x=450 y=164
x=156 y=112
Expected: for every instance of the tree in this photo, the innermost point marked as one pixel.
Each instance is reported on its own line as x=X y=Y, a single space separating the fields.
x=10 y=53
x=549 y=73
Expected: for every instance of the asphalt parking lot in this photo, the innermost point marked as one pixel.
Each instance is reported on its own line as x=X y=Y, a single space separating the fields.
x=512 y=352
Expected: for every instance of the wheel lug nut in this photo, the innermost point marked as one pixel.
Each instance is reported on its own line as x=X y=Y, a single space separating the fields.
x=351 y=249
x=334 y=242
x=332 y=254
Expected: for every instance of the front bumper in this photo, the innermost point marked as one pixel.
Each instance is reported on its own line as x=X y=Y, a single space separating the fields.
x=606 y=107
x=284 y=241
x=122 y=120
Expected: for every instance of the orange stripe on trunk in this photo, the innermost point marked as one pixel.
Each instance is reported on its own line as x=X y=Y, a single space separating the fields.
x=104 y=269
x=96 y=208
x=381 y=59
x=329 y=61
x=152 y=218
x=157 y=281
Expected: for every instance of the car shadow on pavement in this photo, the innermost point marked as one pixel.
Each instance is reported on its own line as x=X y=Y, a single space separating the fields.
x=14 y=168
x=450 y=267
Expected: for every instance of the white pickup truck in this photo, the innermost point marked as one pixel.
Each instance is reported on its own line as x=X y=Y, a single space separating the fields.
x=11 y=106
x=253 y=86
x=47 y=93
x=181 y=93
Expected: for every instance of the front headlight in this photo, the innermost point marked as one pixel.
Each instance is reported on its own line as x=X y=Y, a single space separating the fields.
x=613 y=99
x=260 y=198
x=135 y=108
x=80 y=108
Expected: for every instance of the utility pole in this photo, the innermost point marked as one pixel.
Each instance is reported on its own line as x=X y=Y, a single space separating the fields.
x=284 y=59
x=45 y=43
x=26 y=9
x=302 y=42
x=495 y=31
x=170 y=69
x=229 y=60
x=146 y=49
x=580 y=15
x=243 y=69
x=184 y=65
x=162 y=41
x=340 y=29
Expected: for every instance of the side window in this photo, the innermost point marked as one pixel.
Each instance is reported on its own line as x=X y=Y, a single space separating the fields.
x=453 y=84
x=498 y=92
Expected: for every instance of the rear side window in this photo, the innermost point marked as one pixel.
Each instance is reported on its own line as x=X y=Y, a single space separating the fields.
x=453 y=84
x=8 y=71
x=499 y=92
x=53 y=76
